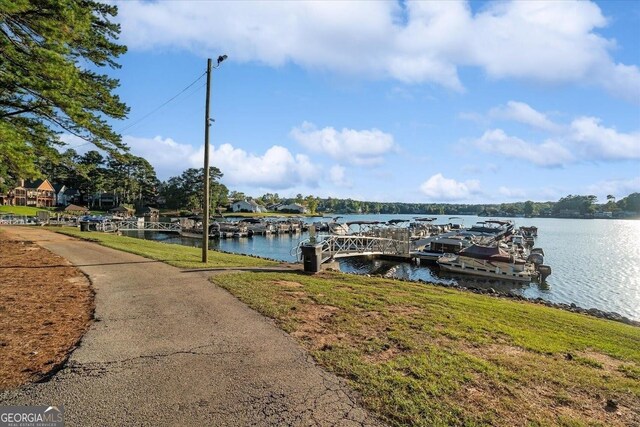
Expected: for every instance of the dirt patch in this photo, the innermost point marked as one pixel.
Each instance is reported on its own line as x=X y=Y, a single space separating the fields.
x=383 y=356
x=524 y=403
x=539 y=404
x=607 y=363
x=46 y=305
x=314 y=328
x=287 y=284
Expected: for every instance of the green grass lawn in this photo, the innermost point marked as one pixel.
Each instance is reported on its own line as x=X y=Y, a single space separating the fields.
x=31 y=211
x=21 y=210
x=176 y=255
x=430 y=356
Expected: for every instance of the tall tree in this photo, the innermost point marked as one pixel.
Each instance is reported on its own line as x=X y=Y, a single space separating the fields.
x=50 y=54
x=186 y=191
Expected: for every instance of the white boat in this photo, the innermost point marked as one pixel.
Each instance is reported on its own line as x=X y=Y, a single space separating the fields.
x=492 y=261
x=338 y=228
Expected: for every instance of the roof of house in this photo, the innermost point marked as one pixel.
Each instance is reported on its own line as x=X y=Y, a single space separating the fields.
x=250 y=202
x=58 y=187
x=75 y=208
x=37 y=183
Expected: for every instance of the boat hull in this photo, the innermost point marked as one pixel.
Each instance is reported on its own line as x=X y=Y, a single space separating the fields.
x=485 y=269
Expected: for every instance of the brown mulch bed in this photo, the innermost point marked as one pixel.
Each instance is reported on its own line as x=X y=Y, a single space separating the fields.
x=46 y=306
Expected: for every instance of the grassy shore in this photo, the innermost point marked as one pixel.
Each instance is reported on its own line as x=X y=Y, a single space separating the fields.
x=176 y=255
x=425 y=355
x=20 y=210
x=431 y=356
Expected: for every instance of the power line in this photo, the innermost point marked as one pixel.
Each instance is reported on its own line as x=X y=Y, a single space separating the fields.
x=163 y=104
x=155 y=109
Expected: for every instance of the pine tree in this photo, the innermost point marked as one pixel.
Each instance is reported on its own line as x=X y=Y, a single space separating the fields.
x=51 y=52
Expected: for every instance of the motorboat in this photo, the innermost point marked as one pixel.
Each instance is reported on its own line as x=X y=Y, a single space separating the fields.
x=441 y=245
x=493 y=261
x=497 y=228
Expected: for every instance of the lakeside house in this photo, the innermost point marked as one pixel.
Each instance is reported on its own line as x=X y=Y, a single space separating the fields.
x=246 y=206
x=103 y=200
x=65 y=196
x=292 y=208
x=37 y=193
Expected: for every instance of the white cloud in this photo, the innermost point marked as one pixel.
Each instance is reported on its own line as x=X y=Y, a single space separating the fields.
x=616 y=187
x=550 y=42
x=168 y=157
x=439 y=188
x=523 y=113
x=360 y=147
x=584 y=139
x=276 y=169
x=595 y=141
x=549 y=153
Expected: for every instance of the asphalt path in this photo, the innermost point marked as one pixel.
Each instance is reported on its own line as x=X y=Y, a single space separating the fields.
x=169 y=348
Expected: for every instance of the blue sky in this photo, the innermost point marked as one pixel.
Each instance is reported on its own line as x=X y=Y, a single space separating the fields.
x=391 y=101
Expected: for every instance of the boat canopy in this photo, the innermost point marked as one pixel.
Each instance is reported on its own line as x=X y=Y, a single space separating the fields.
x=490 y=253
x=448 y=241
x=364 y=223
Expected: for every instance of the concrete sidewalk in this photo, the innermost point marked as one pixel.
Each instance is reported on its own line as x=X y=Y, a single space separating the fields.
x=170 y=348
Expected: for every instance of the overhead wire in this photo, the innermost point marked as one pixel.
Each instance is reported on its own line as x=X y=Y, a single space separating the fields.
x=168 y=101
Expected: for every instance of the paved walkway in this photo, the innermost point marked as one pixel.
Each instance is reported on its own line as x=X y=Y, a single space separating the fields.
x=170 y=348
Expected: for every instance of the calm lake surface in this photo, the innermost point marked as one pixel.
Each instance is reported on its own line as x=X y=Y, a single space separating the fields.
x=595 y=263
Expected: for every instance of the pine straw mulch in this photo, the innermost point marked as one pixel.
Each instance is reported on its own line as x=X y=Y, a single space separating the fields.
x=46 y=306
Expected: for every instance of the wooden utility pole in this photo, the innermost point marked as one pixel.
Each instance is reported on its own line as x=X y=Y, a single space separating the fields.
x=205 y=213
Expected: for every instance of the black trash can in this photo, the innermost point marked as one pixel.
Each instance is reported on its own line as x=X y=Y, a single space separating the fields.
x=84 y=225
x=312 y=258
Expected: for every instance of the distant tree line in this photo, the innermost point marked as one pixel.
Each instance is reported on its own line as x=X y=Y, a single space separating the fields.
x=571 y=205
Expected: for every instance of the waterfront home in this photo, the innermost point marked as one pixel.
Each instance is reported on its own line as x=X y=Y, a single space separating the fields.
x=64 y=195
x=39 y=193
x=103 y=200
x=292 y=208
x=246 y=206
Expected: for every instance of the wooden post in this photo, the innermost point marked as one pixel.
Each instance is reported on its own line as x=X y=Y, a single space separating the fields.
x=205 y=214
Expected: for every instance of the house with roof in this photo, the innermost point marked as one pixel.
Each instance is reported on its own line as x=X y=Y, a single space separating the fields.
x=103 y=200
x=37 y=193
x=246 y=206
x=292 y=208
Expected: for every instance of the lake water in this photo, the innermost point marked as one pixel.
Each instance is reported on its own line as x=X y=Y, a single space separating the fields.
x=595 y=263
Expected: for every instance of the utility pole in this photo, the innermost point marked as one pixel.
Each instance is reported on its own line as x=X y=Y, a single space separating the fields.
x=205 y=214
